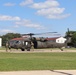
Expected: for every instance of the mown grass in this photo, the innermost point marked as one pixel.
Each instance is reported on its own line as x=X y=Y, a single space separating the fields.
x=2 y=48
x=37 y=61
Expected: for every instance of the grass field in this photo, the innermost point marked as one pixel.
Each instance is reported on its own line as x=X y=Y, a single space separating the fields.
x=2 y=48
x=37 y=61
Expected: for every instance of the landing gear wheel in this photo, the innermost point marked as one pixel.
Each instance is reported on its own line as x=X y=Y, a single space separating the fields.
x=28 y=49
x=22 y=49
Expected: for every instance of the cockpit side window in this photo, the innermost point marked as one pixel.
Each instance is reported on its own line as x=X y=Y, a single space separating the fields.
x=18 y=42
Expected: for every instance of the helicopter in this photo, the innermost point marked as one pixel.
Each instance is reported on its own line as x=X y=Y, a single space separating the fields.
x=35 y=42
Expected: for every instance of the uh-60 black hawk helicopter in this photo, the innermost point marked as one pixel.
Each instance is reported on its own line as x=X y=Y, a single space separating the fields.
x=35 y=42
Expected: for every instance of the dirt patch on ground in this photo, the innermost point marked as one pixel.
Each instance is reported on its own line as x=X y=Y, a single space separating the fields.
x=43 y=72
x=38 y=50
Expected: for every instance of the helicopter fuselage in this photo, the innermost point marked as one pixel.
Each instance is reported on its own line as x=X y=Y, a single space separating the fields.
x=27 y=43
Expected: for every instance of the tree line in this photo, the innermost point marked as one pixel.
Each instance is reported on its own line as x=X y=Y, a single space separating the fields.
x=9 y=36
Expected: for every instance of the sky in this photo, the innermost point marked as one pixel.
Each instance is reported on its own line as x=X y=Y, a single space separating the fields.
x=37 y=16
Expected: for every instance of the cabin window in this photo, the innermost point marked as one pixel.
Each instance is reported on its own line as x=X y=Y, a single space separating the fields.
x=26 y=43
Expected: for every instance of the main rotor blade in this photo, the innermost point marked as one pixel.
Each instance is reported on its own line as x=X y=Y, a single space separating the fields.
x=45 y=33
x=28 y=34
x=31 y=34
x=49 y=35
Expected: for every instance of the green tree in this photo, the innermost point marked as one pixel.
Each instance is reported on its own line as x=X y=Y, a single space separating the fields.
x=9 y=36
x=74 y=39
x=71 y=37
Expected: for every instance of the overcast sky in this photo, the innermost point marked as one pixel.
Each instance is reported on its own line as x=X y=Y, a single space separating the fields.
x=37 y=16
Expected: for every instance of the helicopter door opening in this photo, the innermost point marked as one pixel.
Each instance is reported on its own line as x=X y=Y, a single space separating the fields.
x=35 y=44
x=25 y=43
